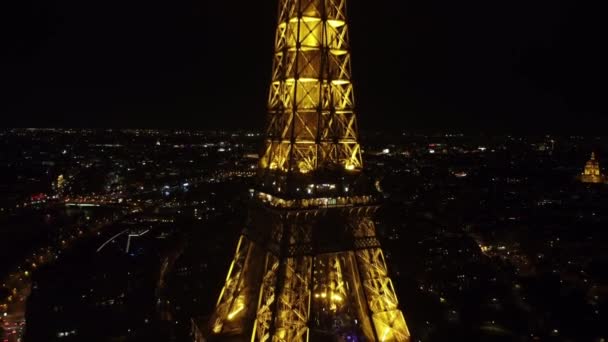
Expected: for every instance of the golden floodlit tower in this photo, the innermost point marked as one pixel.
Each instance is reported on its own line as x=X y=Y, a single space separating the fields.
x=308 y=266
x=592 y=173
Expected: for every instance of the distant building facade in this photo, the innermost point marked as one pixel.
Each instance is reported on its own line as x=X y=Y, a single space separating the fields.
x=592 y=172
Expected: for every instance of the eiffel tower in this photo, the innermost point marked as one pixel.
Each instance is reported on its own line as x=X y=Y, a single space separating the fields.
x=308 y=265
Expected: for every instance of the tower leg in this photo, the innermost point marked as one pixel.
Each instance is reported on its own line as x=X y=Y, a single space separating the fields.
x=387 y=319
x=233 y=310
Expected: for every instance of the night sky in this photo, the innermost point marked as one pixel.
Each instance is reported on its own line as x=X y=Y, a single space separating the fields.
x=491 y=65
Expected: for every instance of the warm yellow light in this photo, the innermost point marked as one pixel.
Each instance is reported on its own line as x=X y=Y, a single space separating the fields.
x=385 y=334
x=338 y=52
x=336 y=297
x=304 y=167
x=217 y=327
x=306 y=19
x=302 y=80
x=235 y=312
x=336 y=23
x=349 y=167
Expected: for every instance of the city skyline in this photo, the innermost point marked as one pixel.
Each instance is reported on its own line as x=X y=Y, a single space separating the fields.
x=486 y=238
x=519 y=67
x=198 y=173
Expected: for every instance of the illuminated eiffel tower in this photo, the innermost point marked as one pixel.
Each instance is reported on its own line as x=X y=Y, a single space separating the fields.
x=308 y=265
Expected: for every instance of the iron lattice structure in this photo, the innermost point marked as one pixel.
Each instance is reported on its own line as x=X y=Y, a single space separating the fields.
x=308 y=265
x=311 y=121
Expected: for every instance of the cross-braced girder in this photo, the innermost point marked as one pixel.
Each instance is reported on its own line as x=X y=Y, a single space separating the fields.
x=311 y=120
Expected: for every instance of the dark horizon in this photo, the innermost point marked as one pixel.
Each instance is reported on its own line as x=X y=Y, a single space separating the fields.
x=468 y=67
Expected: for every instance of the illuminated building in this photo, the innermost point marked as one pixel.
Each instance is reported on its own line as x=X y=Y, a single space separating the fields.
x=60 y=185
x=592 y=173
x=308 y=265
